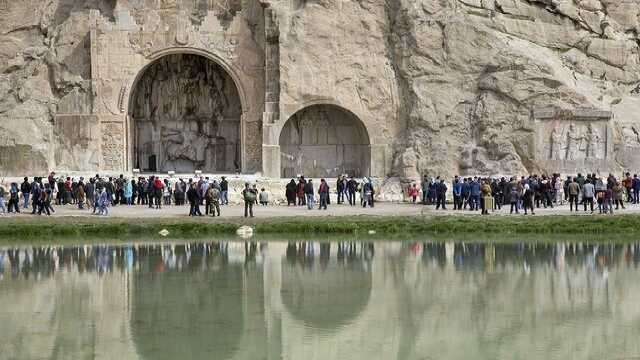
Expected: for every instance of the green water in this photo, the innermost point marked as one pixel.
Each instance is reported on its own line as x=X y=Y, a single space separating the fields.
x=312 y=300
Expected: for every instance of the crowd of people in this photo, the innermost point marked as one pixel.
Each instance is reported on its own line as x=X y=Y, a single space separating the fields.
x=98 y=194
x=302 y=192
x=531 y=192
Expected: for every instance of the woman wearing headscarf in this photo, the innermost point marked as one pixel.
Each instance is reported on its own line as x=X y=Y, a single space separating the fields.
x=14 y=194
x=103 y=202
x=527 y=199
x=128 y=192
x=290 y=192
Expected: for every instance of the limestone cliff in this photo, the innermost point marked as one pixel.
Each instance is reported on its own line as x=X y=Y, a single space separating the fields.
x=443 y=86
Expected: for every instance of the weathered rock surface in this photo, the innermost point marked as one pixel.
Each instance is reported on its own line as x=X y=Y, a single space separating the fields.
x=442 y=86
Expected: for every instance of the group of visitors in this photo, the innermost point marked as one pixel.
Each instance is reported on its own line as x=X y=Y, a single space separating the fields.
x=303 y=193
x=99 y=194
x=526 y=194
x=531 y=192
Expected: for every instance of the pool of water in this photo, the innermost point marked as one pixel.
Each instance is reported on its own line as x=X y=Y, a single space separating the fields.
x=314 y=300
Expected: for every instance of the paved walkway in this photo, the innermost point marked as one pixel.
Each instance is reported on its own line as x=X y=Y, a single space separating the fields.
x=279 y=211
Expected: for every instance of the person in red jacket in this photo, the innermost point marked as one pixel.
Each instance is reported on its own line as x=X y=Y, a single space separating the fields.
x=158 y=187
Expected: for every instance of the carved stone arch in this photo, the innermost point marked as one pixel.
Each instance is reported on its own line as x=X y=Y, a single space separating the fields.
x=233 y=71
x=187 y=140
x=372 y=131
x=324 y=140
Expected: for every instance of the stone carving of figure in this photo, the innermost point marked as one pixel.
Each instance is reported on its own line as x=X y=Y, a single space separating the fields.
x=306 y=130
x=557 y=144
x=630 y=136
x=322 y=127
x=184 y=144
x=574 y=142
x=594 y=145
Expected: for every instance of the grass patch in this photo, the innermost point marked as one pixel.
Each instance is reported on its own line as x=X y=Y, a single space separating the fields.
x=395 y=228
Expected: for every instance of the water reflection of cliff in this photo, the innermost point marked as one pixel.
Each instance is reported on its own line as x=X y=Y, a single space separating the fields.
x=320 y=300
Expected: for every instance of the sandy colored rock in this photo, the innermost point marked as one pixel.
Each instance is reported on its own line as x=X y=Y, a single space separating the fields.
x=441 y=87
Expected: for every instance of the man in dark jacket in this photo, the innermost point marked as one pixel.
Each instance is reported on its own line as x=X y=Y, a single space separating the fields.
x=309 y=195
x=25 y=189
x=441 y=195
x=352 y=188
x=224 y=191
x=194 y=201
x=35 y=196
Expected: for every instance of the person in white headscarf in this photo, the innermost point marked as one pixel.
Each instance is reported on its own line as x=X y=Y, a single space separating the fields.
x=527 y=199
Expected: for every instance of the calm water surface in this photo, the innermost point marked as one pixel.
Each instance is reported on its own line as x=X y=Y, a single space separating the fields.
x=313 y=300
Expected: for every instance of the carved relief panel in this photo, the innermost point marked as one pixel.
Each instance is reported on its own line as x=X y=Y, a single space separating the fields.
x=113 y=148
x=574 y=140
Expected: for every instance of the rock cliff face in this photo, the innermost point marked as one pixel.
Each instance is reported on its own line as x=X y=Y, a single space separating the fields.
x=447 y=86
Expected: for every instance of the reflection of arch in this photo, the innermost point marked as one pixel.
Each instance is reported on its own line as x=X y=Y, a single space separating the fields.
x=325 y=140
x=208 y=319
x=326 y=298
x=186 y=114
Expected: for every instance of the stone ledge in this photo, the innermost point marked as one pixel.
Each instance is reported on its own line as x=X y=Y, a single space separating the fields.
x=580 y=113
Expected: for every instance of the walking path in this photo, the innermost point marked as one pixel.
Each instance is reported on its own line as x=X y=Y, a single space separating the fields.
x=280 y=211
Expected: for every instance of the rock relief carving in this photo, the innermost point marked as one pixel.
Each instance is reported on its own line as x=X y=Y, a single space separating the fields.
x=112 y=146
x=557 y=143
x=577 y=142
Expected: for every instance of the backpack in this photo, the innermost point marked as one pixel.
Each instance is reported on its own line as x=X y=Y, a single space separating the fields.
x=249 y=196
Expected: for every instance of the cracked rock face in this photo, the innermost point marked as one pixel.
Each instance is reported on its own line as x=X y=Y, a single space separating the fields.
x=450 y=86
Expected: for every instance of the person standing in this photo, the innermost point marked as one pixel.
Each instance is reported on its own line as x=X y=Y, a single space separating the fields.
x=2 y=194
x=309 y=194
x=81 y=195
x=150 y=191
x=441 y=195
x=25 y=189
x=352 y=188
x=413 y=193
x=457 y=194
x=573 y=189
x=264 y=197
x=89 y=190
x=528 y=198
x=618 y=195
x=608 y=200
x=514 y=195
x=636 y=189
x=45 y=199
x=119 y=196
x=215 y=200
x=301 y=191
x=127 y=192
x=466 y=193
x=14 y=198
x=249 y=196
x=588 y=191
x=323 y=193
x=424 y=186
x=475 y=194
x=224 y=191
x=486 y=199
x=290 y=193
x=158 y=189
x=340 y=187
x=194 y=201
x=104 y=201
x=367 y=193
